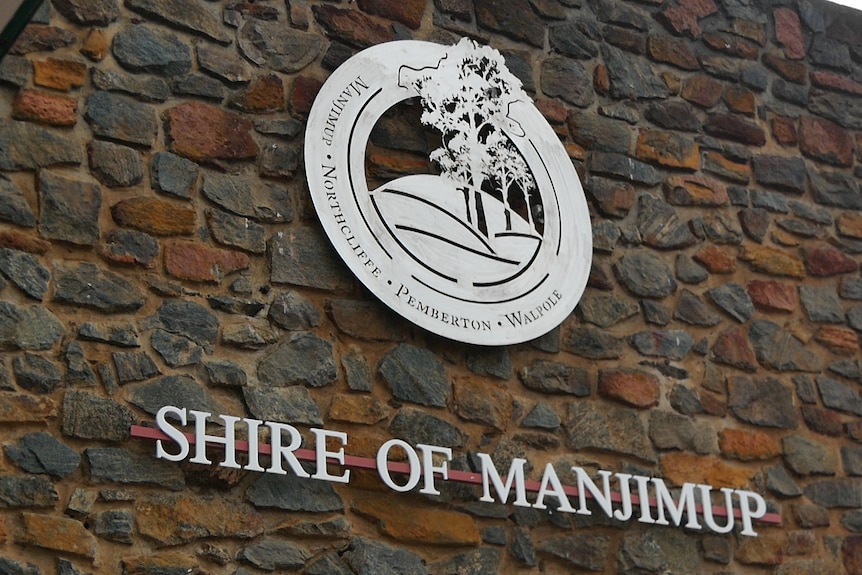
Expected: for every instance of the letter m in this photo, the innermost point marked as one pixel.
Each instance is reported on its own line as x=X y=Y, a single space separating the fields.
x=515 y=477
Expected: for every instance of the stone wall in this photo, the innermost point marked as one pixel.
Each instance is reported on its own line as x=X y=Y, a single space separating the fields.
x=158 y=246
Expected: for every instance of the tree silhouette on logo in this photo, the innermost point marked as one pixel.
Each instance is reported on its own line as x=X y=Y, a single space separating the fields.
x=467 y=96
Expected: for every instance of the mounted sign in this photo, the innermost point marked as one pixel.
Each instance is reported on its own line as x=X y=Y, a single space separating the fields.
x=495 y=249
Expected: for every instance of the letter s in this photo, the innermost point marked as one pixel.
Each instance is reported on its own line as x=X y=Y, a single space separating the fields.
x=172 y=432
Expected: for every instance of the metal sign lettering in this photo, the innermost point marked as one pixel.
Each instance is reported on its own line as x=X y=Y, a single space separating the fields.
x=494 y=249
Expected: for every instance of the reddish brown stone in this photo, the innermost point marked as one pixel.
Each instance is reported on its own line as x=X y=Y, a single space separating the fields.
x=788 y=32
x=418 y=525
x=765 y=549
x=207 y=133
x=790 y=70
x=396 y=164
x=716 y=260
x=739 y=99
x=695 y=191
x=748 y=445
x=679 y=20
x=176 y=519
x=721 y=165
x=95 y=46
x=668 y=149
x=553 y=110
x=303 y=93
x=751 y=30
x=672 y=51
x=784 y=130
x=681 y=467
x=156 y=216
x=363 y=409
x=826 y=141
x=822 y=420
x=713 y=404
x=832 y=81
x=700 y=8
x=58 y=534
x=613 y=198
x=59 y=74
x=25 y=408
x=408 y=12
x=672 y=81
x=51 y=109
x=772 y=261
x=3 y=531
x=265 y=94
x=733 y=348
x=601 y=80
x=352 y=26
x=702 y=90
x=826 y=260
x=849 y=224
x=483 y=402
x=731 y=44
x=736 y=128
x=200 y=263
x=838 y=340
x=38 y=38
x=770 y=295
x=631 y=386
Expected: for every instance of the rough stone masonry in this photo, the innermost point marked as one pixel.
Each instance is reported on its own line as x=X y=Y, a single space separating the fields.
x=158 y=247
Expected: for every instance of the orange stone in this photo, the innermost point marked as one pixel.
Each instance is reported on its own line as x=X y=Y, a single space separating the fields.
x=2 y=530
x=176 y=519
x=168 y=562
x=22 y=242
x=201 y=263
x=681 y=467
x=358 y=409
x=765 y=549
x=482 y=401
x=24 y=408
x=95 y=46
x=721 y=165
x=59 y=74
x=393 y=164
x=631 y=386
x=739 y=99
x=716 y=260
x=601 y=80
x=58 y=534
x=413 y=524
x=770 y=295
x=748 y=445
x=51 y=109
x=850 y=224
x=668 y=149
x=156 y=216
x=838 y=340
x=265 y=94
x=773 y=261
x=553 y=111
x=695 y=190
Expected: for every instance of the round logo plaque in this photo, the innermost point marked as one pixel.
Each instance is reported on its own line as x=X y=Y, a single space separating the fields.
x=492 y=249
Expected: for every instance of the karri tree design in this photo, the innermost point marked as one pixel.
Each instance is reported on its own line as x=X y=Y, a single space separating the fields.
x=467 y=97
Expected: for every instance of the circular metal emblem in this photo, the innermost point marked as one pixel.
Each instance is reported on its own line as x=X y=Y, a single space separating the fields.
x=492 y=249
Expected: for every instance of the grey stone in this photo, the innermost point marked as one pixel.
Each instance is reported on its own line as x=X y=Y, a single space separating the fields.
x=672 y=344
x=289 y=404
x=660 y=226
x=415 y=426
x=835 y=189
x=850 y=288
x=721 y=229
x=786 y=173
x=605 y=427
x=26 y=491
x=847 y=368
x=173 y=175
x=115 y=525
x=279 y=160
x=329 y=564
x=109 y=379
x=272 y=45
x=188 y=14
x=26 y=272
x=812 y=213
x=770 y=201
x=692 y=310
x=35 y=373
x=568 y=39
x=809 y=515
x=40 y=452
x=592 y=343
x=356 y=369
x=821 y=304
x=605 y=311
x=245 y=196
x=842 y=110
x=134 y=366
x=225 y=64
x=130 y=246
x=143 y=48
x=146 y=88
x=624 y=167
x=293 y=493
x=177 y=390
x=679 y=549
x=494 y=535
x=175 y=350
x=87 y=285
x=654 y=313
x=851 y=459
x=765 y=402
x=15 y=70
x=28 y=327
x=114 y=165
x=88 y=416
x=801 y=228
x=669 y=430
x=553 y=377
x=542 y=416
x=738 y=196
x=415 y=375
x=755 y=223
x=292 y=311
x=198 y=85
x=289 y=250
x=582 y=551
x=805 y=389
x=236 y=231
x=483 y=561
x=336 y=526
x=632 y=78
x=300 y=358
x=118 y=117
x=274 y=554
x=830 y=52
x=369 y=557
x=789 y=92
x=521 y=546
x=250 y=334
x=807 y=457
x=640 y=553
x=11 y=567
x=119 y=334
x=674 y=115
x=840 y=396
x=568 y=80
x=779 y=482
x=839 y=492
x=225 y=373
x=88 y=12
x=645 y=275
x=285 y=127
x=779 y=350
x=118 y=465
x=13 y=204
x=69 y=209
x=235 y=306
x=489 y=361
x=78 y=370
x=189 y=319
x=734 y=300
